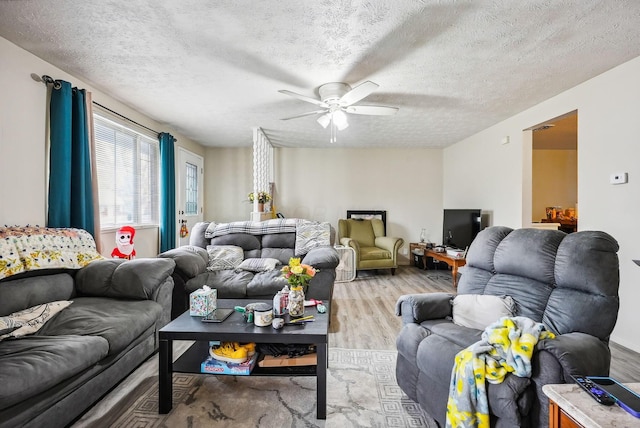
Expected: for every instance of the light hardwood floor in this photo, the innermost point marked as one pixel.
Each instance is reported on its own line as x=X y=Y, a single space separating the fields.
x=363 y=313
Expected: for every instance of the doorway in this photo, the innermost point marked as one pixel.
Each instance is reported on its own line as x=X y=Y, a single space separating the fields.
x=554 y=172
x=189 y=193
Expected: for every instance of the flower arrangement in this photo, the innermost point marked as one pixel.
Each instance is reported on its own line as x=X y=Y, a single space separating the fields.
x=297 y=274
x=262 y=197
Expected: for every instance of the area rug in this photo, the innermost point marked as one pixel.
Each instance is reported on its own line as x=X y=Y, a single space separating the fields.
x=361 y=392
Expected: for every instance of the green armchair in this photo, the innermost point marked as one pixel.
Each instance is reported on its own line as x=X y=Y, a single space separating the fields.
x=373 y=249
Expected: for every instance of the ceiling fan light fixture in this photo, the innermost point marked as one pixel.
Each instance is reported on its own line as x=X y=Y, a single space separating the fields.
x=340 y=120
x=324 y=120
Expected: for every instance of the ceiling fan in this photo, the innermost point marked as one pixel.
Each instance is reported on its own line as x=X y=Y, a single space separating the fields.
x=338 y=98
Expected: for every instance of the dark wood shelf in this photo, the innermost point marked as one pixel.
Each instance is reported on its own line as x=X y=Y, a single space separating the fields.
x=190 y=361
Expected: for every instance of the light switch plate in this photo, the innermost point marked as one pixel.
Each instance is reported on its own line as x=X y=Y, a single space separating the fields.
x=618 y=178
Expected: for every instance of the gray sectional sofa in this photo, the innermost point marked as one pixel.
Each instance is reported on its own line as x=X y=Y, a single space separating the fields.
x=50 y=377
x=278 y=239
x=567 y=282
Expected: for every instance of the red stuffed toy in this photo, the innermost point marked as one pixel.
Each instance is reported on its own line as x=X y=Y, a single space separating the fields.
x=124 y=244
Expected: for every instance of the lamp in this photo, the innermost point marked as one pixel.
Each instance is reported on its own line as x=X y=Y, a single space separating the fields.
x=336 y=119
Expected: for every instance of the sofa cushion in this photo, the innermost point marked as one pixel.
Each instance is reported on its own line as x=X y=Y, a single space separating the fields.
x=120 y=322
x=244 y=240
x=266 y=284
x=279 y=240
x=32 y=319
x=374 y=253
x=124 y=279
x=436 y=354
x=282 y=254
x=480 y=310
x=258 y=265
x=224 y=257
x=33 y=364
x=23 y=293
x=228 y=283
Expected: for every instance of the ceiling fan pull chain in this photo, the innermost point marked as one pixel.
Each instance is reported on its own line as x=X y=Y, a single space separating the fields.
x=333 y=130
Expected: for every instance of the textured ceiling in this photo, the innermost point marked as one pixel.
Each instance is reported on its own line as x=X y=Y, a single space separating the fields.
x=212 y=69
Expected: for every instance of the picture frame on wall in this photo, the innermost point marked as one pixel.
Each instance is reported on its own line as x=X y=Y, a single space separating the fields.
x=368 y=215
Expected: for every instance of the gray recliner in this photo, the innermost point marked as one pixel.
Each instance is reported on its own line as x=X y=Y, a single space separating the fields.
x=568 y=282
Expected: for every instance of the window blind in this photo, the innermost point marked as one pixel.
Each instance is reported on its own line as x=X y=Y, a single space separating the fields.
x=127 y=161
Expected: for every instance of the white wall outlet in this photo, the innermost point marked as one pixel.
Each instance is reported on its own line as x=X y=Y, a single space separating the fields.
x=618 y=178
x=405 y=251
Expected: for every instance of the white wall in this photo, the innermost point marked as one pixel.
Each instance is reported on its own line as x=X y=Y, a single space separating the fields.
x=322 y=184
x=228 y=182
x=498 y=177
x=23 y=125
x=554 y=181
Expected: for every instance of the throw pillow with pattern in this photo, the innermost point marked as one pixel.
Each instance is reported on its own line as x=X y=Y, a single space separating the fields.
x=222 y=257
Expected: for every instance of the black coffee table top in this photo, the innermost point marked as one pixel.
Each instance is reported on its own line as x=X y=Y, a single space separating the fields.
x=236 y=329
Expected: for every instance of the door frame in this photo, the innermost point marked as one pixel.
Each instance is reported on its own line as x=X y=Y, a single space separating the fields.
x=183 y=157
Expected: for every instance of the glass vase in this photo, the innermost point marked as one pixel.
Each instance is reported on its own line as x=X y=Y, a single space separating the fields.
x=296 y=302
x=423 y=235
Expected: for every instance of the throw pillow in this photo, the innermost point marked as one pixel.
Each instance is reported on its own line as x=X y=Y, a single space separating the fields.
x=223 y=257
x=481 y=310
x=258 y=265
x=31 y=320
x=310 y=234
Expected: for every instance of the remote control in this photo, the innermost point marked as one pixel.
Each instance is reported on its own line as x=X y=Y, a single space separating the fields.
x=593 y=390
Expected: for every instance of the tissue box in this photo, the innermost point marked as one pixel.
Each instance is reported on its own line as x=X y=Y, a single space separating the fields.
x=202 y=301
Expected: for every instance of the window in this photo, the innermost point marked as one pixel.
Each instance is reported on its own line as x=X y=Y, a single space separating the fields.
x=191 y=193
x=128 y=172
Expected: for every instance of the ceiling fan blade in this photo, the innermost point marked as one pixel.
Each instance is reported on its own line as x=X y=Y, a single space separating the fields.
x=304 y=98
x=372 y=110
x=304 y=114
x=359 y=92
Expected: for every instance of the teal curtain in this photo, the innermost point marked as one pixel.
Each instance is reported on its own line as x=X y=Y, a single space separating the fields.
x=167 y=192
x=70 y=190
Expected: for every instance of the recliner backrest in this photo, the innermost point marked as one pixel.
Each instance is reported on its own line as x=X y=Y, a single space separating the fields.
x=364 y=231
x=569 y=282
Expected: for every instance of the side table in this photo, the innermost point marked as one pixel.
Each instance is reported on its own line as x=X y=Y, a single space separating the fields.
x=418 y=248
x=570 y=407
x=453 y=262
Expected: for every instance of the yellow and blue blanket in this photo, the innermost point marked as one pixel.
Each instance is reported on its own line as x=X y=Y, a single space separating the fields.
x=506 y=347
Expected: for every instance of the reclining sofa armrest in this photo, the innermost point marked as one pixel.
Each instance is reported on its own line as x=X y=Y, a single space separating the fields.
x=571 y=349
x=137 y=279
x=322 y=258
x=415 y=308
x=190 y=260
x=556 y=359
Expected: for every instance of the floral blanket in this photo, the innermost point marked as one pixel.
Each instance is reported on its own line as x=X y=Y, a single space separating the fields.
x=32 y=247
x=506 y=347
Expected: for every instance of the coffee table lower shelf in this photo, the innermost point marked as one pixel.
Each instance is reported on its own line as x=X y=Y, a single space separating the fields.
x=190 y=360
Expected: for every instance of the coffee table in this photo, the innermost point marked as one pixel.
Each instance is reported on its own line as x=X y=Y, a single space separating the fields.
x=236 y=329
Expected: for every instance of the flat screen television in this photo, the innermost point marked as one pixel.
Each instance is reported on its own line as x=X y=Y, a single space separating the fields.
x=460 y=227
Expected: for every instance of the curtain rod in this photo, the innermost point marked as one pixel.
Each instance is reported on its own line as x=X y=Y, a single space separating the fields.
x=126 y=118
x=48 y=80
